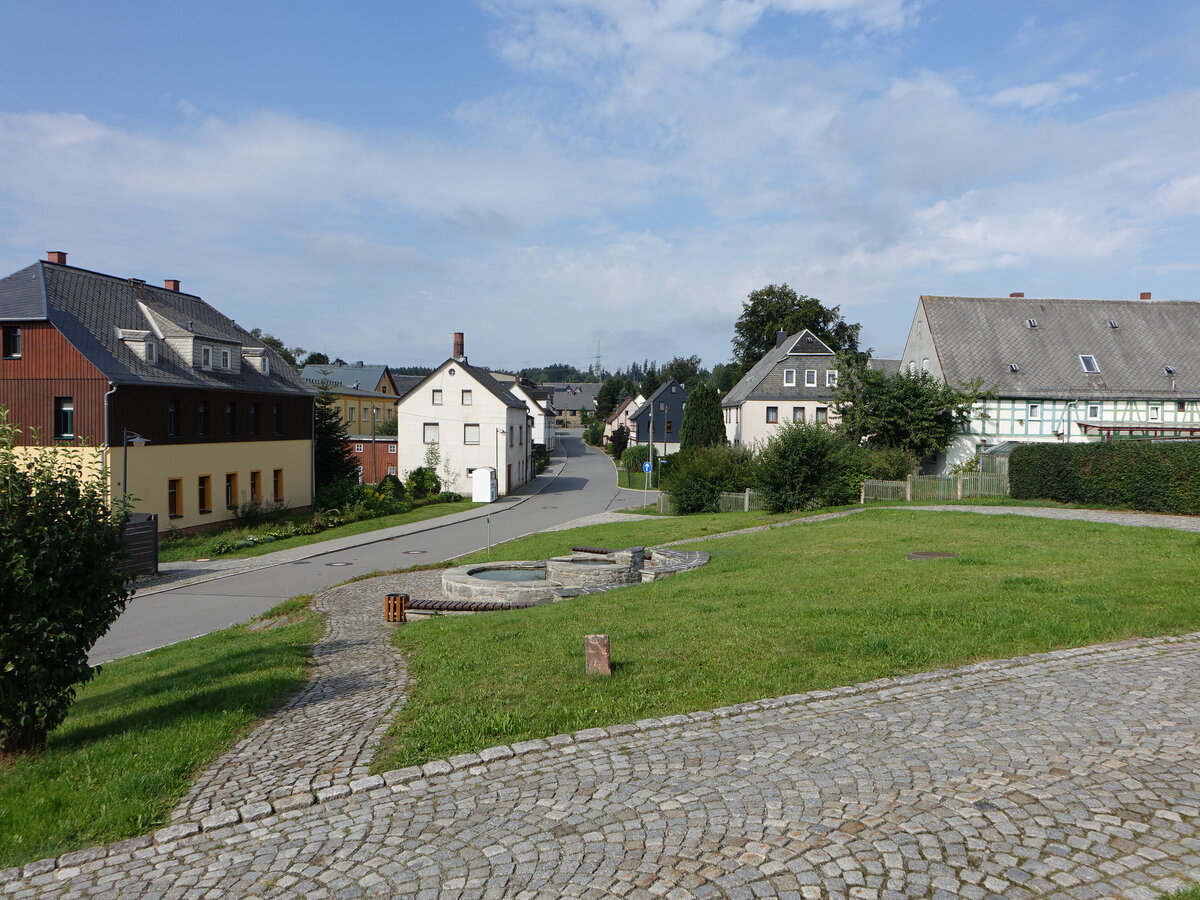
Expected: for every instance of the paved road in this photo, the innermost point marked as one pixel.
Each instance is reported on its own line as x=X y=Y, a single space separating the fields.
x=580 y=483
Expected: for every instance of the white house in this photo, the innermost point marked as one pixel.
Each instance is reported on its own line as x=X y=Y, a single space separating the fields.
x=537 y=401
x=621 y=415
x=1063 y=370
x=474 y=421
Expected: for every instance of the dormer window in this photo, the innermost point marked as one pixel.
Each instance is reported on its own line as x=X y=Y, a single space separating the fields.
x=152 y=353
x=225 y=359
x=266 y=365
x=1032 y=323
x=206 y=358
x=1089 y=365
x=1013 y=367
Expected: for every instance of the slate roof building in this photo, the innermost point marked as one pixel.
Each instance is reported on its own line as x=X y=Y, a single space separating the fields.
x=99 y=357
x=1063 y=370
x=659 y=418
x=377 y=378
x=573 y=399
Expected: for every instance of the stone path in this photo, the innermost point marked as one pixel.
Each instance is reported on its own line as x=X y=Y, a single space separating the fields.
x=1073 y=774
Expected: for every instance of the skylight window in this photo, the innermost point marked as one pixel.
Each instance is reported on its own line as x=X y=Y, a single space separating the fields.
x=1032 y=323
x=1089 y=365
x=1112 y=323
x=1168 y=370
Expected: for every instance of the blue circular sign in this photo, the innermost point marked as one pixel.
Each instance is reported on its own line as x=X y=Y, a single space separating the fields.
x=646 y=467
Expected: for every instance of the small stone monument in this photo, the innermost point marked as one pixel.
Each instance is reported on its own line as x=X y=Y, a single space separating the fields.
x=597 y=660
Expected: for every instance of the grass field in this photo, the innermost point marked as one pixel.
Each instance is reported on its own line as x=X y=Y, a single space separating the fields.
x=783 y=611
x=140 y=731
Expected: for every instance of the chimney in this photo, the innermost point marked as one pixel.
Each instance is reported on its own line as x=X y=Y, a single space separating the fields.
x=1145 y=294
x=57 y=256
x=460 y=352
x=1017 y=294
x=171 y=284
x=780 y=337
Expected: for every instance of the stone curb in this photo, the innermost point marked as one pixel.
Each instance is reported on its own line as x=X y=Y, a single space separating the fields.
x=399 y=780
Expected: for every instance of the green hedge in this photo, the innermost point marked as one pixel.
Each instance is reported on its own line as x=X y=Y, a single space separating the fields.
x=1155 y=477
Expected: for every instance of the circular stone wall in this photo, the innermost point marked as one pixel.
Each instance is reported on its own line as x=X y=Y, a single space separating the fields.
x=589 y=571
x=461 y=584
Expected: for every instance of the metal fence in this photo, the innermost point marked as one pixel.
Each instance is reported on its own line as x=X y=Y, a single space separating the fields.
x=938 y=487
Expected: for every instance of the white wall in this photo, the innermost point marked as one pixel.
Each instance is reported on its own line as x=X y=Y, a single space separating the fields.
x=749 y=423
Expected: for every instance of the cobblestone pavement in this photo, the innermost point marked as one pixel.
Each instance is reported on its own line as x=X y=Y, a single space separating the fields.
x=328 y=731
x=1073 y=774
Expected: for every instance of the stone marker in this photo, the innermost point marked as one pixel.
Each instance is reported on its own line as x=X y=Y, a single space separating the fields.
x=596 y=655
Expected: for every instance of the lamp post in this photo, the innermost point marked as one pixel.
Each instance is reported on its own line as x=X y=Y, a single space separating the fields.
x=127 y=438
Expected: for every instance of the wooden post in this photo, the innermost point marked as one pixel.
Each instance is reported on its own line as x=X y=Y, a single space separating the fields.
x=395 y=608
x=959 y=486
x=908 y=482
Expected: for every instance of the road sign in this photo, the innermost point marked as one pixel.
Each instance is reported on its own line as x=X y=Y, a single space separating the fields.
x=646 y=467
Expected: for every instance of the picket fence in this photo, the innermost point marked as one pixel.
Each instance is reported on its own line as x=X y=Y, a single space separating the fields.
x=938 y=487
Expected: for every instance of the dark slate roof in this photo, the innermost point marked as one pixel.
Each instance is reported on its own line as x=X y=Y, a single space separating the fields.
x=346 y=391
x=87 y=308
x=662 y=389
x=795 y=346
x=886 y=366
x=364 y=376
x=984 y=336
x=485 y=379
x=573 y=395
x=405 y=383
x=22 y=295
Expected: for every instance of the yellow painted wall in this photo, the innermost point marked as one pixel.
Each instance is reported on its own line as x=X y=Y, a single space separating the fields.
x=90 y=458
x=151 y=467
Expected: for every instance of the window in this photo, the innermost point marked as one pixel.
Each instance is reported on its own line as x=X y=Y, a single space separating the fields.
x=391 y=470
x=1168 y=370
x=266 y=365
x=1180 y=406
x=797 y=413
x=1155 y=412
x=1093 y=410
x=822 y=414
x=1035 y=410
x=256 y=487
x=912 y=367
x=1013 y=367
x=365 y=416
x=810 y=377
x=789 y=377
x=772 y=415
x=1112 y=323
x=12 y=342
x=203 y=424
x=173 y=418
x=231 y=418
x=471 y=434
x=1032 y=323
x=670 y=426
x=174 y=497
x=64 y=417
x=510 y=437
x=467 y=398
x=277 y=418
x=1089 y=364
x=151 y=353
x=225 y=359
x=925 y=365
x=831 y=378
x=231 y=491
x=204 y=493
x=391 y=448
x=277 y=485
x=254 y=418
x=437 y=397
x=206 y=357
x=358 y=448
x=728 y=415
x=431 y=433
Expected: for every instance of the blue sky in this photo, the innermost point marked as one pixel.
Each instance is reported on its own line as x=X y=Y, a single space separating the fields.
x=367 y=178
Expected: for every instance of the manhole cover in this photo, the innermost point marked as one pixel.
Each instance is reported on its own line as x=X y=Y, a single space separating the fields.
x=414 y=552
x=931 y=554
x=339 y=564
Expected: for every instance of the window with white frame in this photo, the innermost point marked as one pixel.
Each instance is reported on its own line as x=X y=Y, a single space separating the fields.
x=1089 y=364
x=391 y=448
x=810 y=377
x=437 y=397
x=431 y=433
x=1155 y=412
x=772 y=415
x=925 y=364
x=831 y=378
x=1093 y=410
x=358 y=448
x=471 y=433
x=1035 y=410
x=467 y=398
x=789 y=377
x=391 y=470
x=225 y=364
x=151 y=353
x=912 y=367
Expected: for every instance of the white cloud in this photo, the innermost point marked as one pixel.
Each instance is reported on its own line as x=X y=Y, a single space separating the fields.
x=1045 y=94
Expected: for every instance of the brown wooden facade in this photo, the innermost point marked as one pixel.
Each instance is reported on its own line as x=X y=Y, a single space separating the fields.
x=49 y=367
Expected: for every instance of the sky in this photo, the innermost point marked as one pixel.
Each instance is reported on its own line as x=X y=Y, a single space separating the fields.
x=572 y=178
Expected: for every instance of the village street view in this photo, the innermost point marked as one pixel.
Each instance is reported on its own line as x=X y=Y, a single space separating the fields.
x=600 y=448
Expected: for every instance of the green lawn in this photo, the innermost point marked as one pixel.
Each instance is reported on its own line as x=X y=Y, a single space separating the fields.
x=139 y=733
x=196 y=546
x=637 y=481
x=784 y=611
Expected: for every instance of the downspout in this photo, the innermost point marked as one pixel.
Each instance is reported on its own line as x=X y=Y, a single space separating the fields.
x=112 y=389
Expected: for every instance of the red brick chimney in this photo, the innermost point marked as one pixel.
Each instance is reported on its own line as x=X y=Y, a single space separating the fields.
x=57 y=256
x=459 y=346
x=171 y=284
x=1145 y=295
x=1017 y=294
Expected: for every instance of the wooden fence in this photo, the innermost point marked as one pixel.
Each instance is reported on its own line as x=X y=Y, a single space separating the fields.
x=141 y=545
x=938 y=487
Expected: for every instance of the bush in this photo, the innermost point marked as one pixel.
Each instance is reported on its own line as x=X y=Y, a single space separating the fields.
x=633 y=457
x=805 y=465
x=423 y=482
x=1155 y=477
x=256 y=512
x=541 y=458
x=337 y=494
x=888 y=463
x=392 y=487
x=695 y=478
x=594 y=434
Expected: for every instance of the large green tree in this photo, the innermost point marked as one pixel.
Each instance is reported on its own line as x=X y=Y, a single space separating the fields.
x=60 y=582
x=916 y=413
x=703 y=422
x=290 y=354
x=776 y=308
x=611 y=393
x=687 y=370
x=333 y=460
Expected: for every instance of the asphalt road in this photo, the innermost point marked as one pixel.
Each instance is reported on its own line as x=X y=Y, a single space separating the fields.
x=584 y=486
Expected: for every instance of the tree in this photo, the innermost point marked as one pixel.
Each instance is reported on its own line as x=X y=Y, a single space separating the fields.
x=291 y=355
x=915 y=413
x=618 y=441
x=688 y=371
x=61 y=588
x=703 y=422
x=776 y=308
x=333 y=460
x=651 y=381
x=316 y=358
x=805 y=465
x=725 y=376
x=612 y=392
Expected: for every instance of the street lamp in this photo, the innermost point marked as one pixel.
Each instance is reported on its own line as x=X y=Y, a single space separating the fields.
x=129 y=437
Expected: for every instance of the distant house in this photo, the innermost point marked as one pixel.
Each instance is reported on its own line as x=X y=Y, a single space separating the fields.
x=573 y=399
x=793 y=382
x=659 y=418
x=537 y=401
x=1063 y=370
x=474 y=421
x=377 y=378
x=620 y=416
x=113 y=361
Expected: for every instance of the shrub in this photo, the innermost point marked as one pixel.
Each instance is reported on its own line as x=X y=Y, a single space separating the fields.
x=696 y=477
x=448 y=497
x=423 y=482
x=618 y=441
x=256 y=512
x=594 y=434
x=888 y=463
x=541 y=458
x=62 y=544
x=805 y=465
x=337 y=494
x=1155 y=477
x=392 y=487
x=633 y=457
